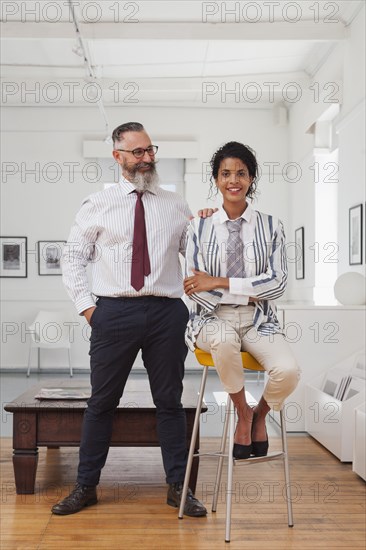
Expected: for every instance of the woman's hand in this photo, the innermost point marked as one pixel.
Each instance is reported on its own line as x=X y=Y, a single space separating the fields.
x=202 y=281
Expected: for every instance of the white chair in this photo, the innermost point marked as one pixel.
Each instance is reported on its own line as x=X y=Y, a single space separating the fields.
x=50 y=330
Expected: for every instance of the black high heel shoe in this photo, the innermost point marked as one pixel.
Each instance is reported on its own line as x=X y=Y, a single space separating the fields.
x=242 y=451
x=260 y=448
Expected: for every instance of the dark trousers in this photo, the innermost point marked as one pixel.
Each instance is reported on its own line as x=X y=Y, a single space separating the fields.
x=120 y=328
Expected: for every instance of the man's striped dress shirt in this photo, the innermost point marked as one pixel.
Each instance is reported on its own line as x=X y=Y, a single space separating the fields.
x=102 y=236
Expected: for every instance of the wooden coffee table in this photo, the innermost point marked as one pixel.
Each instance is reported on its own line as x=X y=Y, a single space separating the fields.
x=55 y=423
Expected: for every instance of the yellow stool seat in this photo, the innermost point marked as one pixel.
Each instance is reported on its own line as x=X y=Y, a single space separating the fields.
x=205 y=359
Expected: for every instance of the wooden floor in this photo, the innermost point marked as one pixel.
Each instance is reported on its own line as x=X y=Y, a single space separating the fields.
x=328 y=502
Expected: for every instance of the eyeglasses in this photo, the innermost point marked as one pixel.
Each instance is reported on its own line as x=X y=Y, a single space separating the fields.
x=139 y=152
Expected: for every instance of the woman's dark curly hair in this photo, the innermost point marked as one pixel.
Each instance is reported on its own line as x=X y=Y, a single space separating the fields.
x=236 y=150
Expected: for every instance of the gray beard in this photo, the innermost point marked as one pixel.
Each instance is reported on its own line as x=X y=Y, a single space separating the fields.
x=146 y=181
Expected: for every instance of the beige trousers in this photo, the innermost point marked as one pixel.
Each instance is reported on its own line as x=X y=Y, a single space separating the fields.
x=233 y=332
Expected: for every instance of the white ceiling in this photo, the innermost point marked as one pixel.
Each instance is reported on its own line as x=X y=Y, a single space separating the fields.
x=165 y=52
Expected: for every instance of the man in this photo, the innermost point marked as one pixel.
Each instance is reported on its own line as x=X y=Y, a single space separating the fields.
x=131 y=234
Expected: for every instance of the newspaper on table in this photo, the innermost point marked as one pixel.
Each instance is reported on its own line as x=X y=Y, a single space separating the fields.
x=64 y=393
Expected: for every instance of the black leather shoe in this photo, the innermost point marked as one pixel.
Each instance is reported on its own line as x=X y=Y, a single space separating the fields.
x=193 y=507
x=80 y=496
x=242 y=451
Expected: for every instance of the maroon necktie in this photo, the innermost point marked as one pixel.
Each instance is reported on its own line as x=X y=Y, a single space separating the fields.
x=140 y=254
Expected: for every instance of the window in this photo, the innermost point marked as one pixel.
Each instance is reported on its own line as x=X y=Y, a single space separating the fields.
x=325 y=248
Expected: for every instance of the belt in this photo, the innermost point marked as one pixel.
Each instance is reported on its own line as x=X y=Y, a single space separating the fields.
x=237 y=305
x=128 y=298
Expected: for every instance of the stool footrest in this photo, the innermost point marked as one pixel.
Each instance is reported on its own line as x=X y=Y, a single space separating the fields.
x=213 y=454
x=256 y=459
x=251 y=460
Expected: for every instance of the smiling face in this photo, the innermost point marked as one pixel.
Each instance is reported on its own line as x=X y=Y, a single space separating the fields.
x=140 y=171
x=233 y=181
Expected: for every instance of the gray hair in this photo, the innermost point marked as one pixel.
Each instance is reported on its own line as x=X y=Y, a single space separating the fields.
x=127 y=127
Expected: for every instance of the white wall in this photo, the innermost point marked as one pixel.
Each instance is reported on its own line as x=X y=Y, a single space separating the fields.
x=345 y=66
x=351 y=135
x=351 y=189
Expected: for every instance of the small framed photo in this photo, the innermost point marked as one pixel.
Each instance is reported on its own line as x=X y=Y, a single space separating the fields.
x=49 y=257
x=355 y=235
x=300 y=259
x=13 y=257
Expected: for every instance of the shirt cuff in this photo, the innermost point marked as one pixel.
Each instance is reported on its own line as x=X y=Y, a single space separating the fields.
x=236 y=288
x=84 y=303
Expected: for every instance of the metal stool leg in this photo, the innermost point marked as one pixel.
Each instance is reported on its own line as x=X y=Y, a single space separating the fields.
x=193 y=442
x=29 y=360
x=70 y=366
x=230 y=467
x=221 y=459
x=287 y=469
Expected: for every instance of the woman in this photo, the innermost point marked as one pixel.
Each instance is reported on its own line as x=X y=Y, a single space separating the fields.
x=235 y=269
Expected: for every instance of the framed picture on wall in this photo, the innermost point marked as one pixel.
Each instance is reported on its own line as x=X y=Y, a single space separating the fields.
x=300 y=253
x=13 y=257
x=49 y=257
x=355 y=235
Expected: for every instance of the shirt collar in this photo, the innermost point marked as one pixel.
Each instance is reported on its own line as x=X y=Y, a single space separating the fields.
x=246 y=215
x=127 y=187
